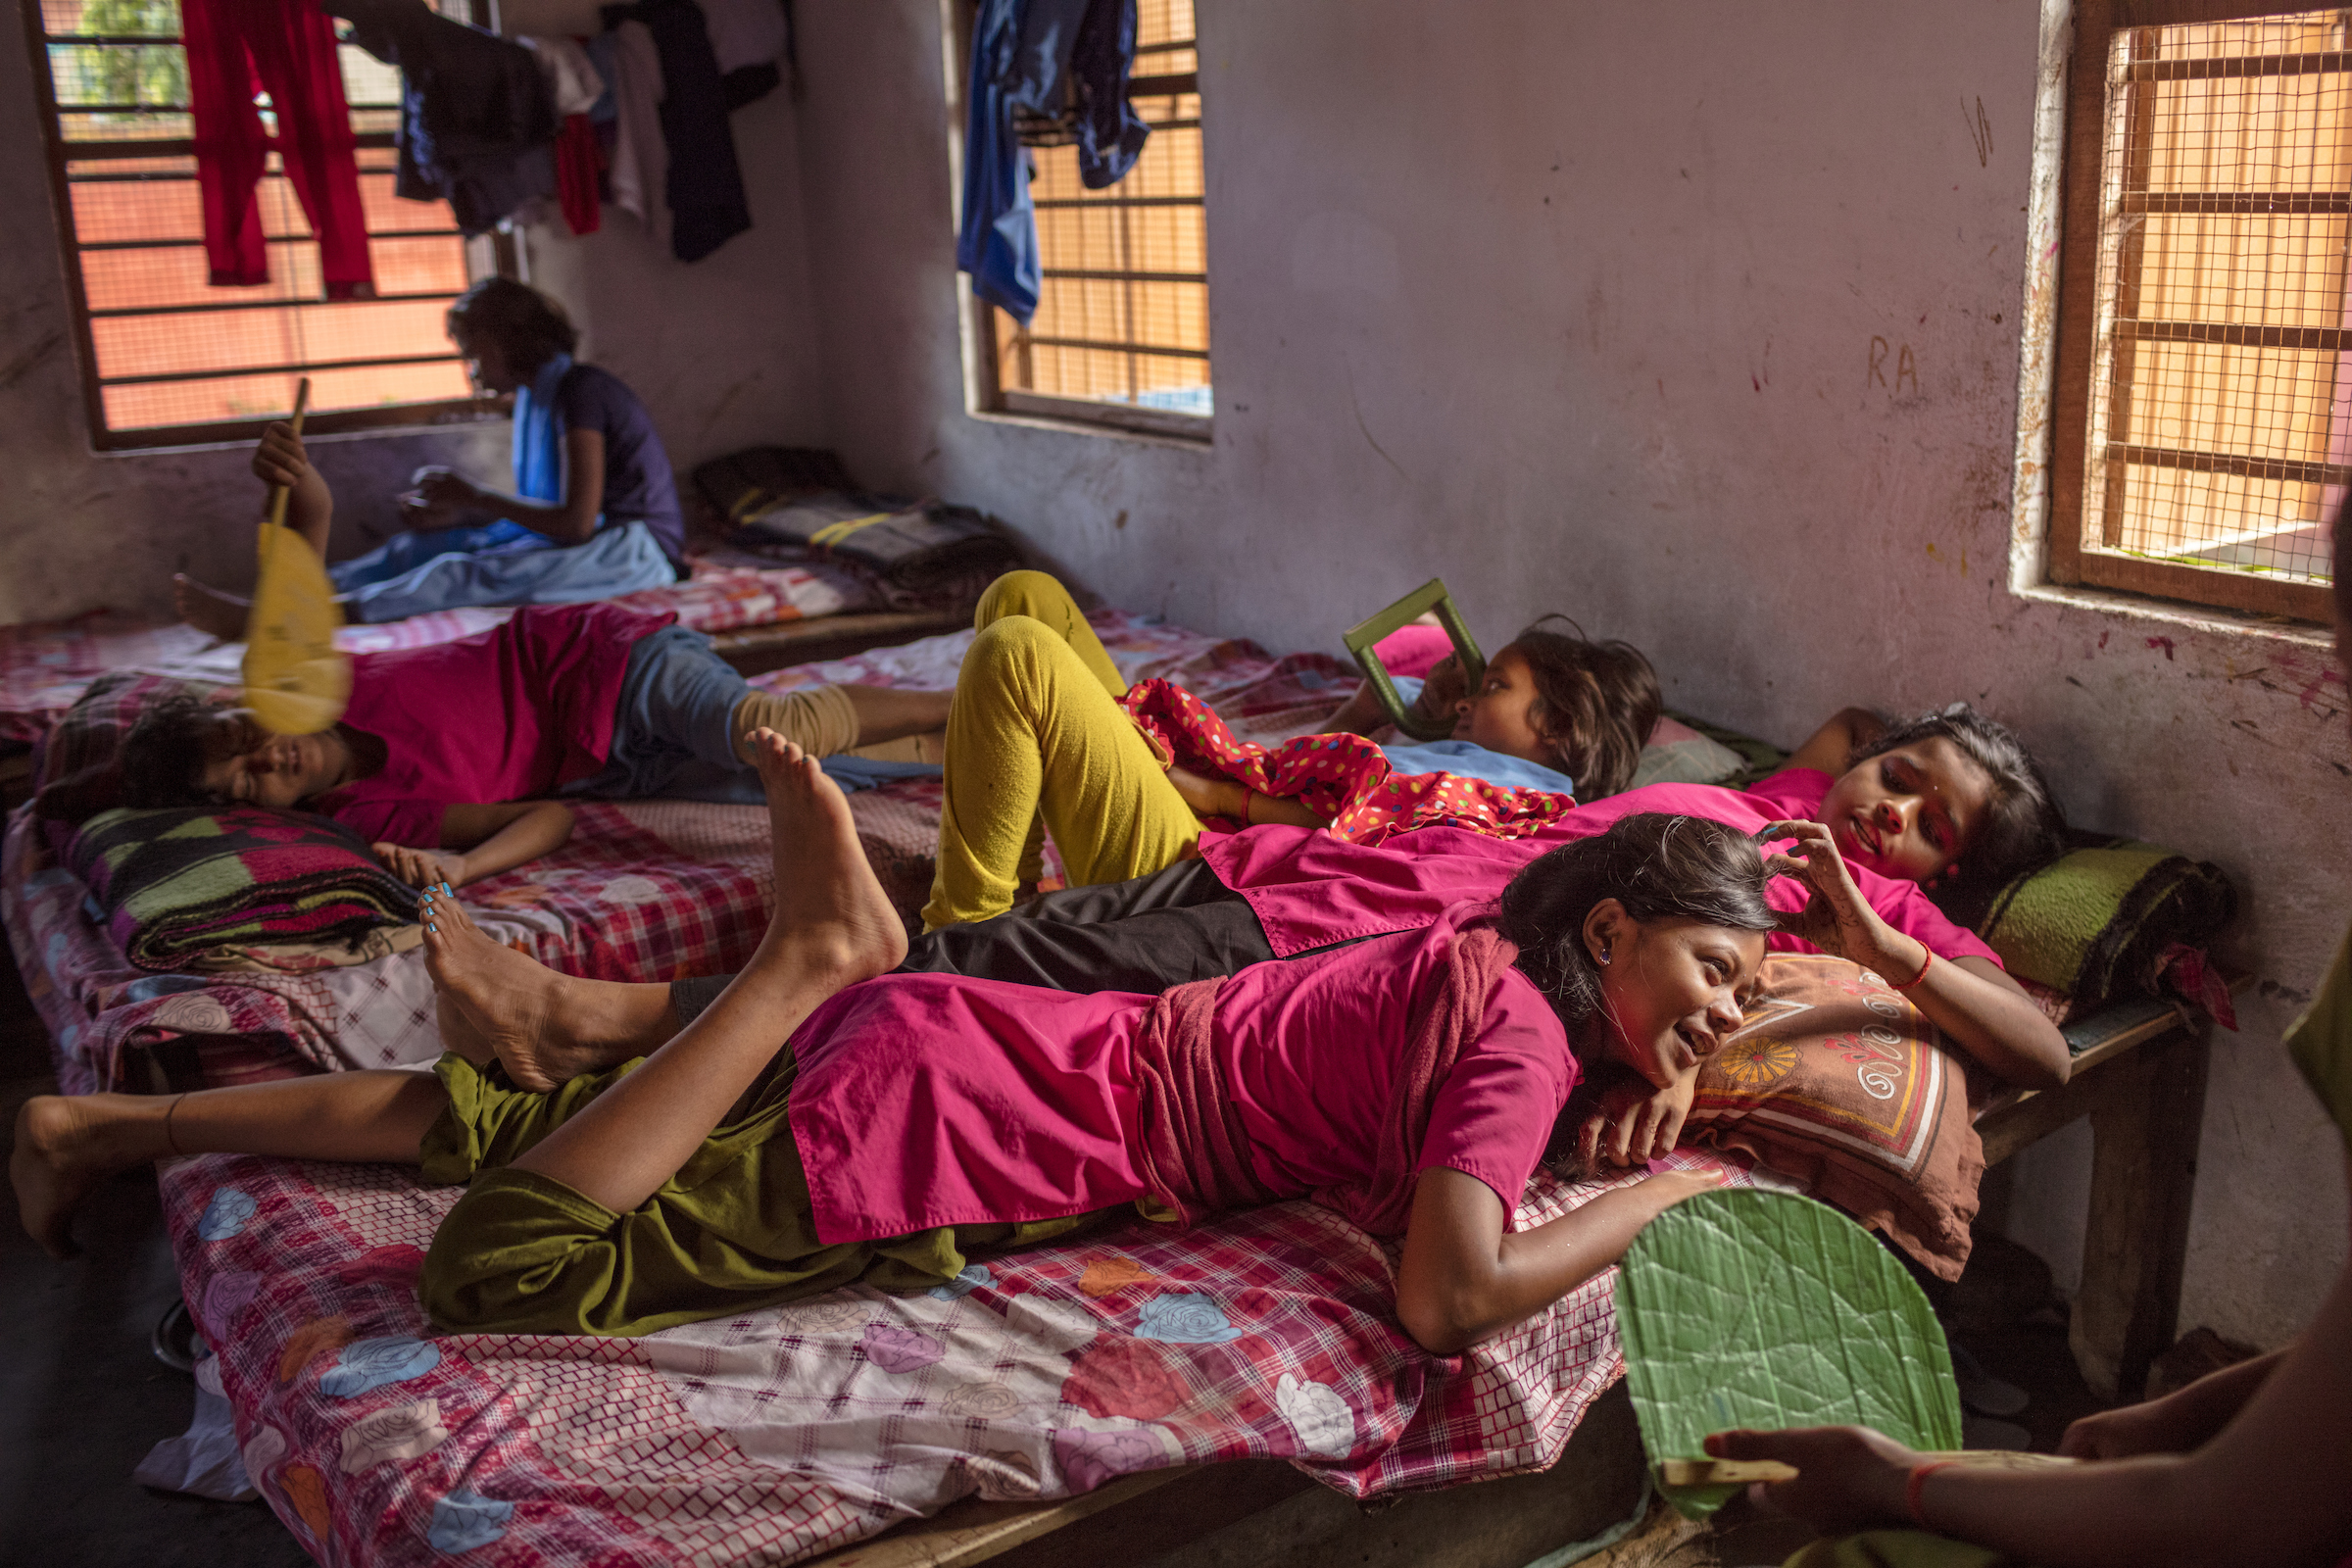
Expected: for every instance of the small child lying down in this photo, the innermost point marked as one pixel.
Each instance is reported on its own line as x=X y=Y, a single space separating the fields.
x=446 y=753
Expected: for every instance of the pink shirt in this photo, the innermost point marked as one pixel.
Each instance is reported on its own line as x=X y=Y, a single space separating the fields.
x=932 y=1099
x=504 y=714
x=1309 y=889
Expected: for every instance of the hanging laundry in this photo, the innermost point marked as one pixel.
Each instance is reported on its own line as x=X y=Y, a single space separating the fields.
x=704 y=185
x=477 y=123
x=640 y=165
x=746 y=38
x=1039 y=58
x=577 y=87
x=287 y=48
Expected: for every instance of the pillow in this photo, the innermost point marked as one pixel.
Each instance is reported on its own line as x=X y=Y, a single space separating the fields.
x=74 y=775
x=1676 y=754
x=2104 y=921
x=187 y=889
x=1839 y=1082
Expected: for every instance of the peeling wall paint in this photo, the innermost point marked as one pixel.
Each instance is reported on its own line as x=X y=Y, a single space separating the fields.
x=1493 y=295
x=724 y=354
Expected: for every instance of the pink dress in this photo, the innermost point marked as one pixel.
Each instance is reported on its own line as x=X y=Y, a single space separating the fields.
x=504 y=714
x=932 y=1099
x=1310 y=888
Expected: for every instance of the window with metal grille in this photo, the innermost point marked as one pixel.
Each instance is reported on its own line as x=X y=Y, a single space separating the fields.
x=2205 y=361
x=169 y=358
x=1122 y=331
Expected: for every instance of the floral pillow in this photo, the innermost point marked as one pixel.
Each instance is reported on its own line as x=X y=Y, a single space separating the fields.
x=1839 y=1082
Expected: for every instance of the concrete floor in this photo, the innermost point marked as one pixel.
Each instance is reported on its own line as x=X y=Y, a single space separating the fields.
x=81 y=1397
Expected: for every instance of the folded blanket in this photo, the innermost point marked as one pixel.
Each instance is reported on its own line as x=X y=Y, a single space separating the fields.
x=2105 y=919
x=182 y=889
x=742 y=482
x=915 y=545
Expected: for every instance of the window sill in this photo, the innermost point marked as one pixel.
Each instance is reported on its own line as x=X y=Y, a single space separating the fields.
x=241 y=434
x=1065 y=424
x=2199 y=618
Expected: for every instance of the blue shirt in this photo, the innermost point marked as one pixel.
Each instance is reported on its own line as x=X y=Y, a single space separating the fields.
x=1472 y=760
x=1469 y=759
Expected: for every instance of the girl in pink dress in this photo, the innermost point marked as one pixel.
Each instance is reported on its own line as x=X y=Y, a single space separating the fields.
x=1412 y=1083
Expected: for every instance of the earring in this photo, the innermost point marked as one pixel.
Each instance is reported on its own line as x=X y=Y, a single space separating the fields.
x=1604 y=955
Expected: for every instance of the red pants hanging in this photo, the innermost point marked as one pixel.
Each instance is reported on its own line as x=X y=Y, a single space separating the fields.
x=287 y=47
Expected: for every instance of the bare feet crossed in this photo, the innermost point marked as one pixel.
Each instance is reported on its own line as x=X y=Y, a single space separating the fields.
x=209 y=610
x=833 y=922
x=493 y=1001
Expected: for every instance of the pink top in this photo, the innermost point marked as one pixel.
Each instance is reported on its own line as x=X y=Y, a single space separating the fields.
x=504 y=714
x=928 y=1100
x=1311 y=889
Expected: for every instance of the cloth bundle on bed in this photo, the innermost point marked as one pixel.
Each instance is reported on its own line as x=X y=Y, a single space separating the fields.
x=194 y=889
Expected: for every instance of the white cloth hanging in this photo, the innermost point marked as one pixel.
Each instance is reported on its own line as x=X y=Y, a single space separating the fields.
x=640 y=157
x=572 y=77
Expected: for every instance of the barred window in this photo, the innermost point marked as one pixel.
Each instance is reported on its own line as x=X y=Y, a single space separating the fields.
x=2205 y=422
x=1122 y=331
x=168 y=358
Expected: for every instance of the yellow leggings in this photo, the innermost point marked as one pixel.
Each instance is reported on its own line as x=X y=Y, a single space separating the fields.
x=1037 y=740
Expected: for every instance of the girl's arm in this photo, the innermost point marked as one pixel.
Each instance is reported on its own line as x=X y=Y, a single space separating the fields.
x=309 y=505
x=1972 y=1001
x=479 y=840
x=571 y=521
x=1223 y=796
x=1464 y=1278
x=2270 y=1488
x=1832 y=746
x=2185 y=1418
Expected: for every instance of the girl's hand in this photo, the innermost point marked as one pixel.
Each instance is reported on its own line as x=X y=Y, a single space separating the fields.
x=279 y=459
x=2133 y=1429
x=442 y=489
x=1637 y=1121
x=1208 y=797
x=1836 y=919
x=1441 y=691
x=422 y=869
x=1849 y=1479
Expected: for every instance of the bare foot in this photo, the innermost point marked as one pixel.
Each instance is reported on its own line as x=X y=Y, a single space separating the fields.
x=833 y=922
x=502 y=1004
x=209 y=610
x=61 y=1154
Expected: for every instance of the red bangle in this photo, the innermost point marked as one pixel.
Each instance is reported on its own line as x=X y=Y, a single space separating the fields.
x=1919 y=1479
x=1245 y=805
x=1926 y=963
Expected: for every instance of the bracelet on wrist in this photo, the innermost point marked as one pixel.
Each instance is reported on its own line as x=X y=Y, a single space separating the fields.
x=1926 y=962
x=1911 y=1489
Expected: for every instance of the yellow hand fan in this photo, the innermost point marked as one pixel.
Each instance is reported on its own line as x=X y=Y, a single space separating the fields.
x=296 y=680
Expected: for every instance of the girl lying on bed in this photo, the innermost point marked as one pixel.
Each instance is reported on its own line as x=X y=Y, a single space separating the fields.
x=444 y=752
x=1949 y=799
x=595 y=513
x=1411 y=1083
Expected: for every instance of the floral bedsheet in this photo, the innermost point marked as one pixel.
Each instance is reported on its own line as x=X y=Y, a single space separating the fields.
x=772 y=1436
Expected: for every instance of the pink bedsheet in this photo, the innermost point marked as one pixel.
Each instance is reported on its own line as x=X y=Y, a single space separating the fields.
x=775 y=1434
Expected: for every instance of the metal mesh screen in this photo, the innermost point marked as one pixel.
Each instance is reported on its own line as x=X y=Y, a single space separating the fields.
x=1123 y=315
x=170 y=349
x=2221 y=430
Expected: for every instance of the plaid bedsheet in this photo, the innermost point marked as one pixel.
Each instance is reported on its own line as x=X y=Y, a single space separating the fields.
x=44 y=666
x=777 y=1435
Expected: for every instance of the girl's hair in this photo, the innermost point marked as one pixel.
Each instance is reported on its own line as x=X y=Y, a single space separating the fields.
x=1660 y=867
x=530 y=327
x=1596 y=703
x=2022 y=826
x=162 y=757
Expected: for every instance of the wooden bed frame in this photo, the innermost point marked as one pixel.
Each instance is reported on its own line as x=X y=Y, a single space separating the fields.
x=2138 y=1077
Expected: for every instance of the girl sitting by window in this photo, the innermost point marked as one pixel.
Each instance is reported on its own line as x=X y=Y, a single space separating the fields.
x=798 y=1135
x=595 y=512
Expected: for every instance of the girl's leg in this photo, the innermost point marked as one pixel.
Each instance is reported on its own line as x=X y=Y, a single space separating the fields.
x=67 y=1145
x=1035 y=731
x=1040 y=597
x=833 y=927
x=543 y=1026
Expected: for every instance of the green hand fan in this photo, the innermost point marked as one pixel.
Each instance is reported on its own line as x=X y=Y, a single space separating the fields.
x=1741 y=1309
